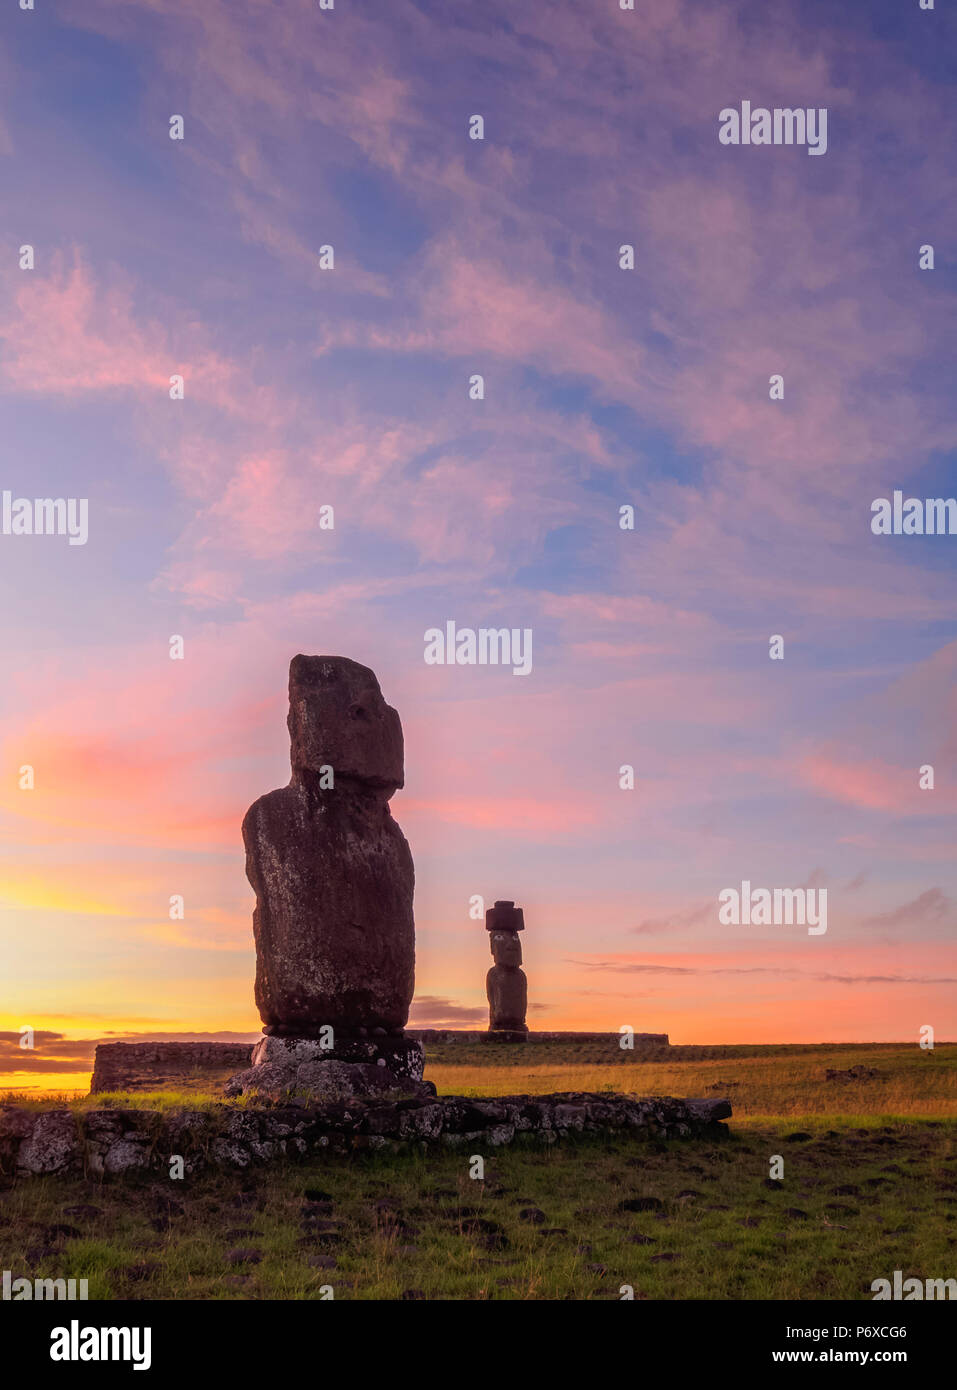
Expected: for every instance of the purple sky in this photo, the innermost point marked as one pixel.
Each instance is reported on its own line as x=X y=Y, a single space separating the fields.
x=604 y=387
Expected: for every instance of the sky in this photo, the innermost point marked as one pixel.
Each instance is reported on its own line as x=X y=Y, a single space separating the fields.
x=308 y=387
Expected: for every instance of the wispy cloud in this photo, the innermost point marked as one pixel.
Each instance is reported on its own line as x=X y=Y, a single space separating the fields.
x=602 y=388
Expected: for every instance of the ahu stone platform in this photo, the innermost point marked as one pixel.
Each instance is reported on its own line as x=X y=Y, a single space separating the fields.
x=117 y=1141
x=642 y=1041
x=152 y=1066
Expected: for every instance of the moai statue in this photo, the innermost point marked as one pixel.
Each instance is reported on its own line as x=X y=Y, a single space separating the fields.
x=505 y=984
x=333 y=877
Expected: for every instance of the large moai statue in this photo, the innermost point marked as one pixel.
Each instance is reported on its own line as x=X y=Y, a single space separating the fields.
x=333 y=877
x=505 y=984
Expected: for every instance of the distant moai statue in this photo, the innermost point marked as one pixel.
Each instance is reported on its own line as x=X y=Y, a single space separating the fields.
x=505 y=984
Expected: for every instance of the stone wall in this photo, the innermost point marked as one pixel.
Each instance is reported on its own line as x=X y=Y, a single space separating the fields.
x=99 y=1142
x=150 y=1066
x=439 y=1035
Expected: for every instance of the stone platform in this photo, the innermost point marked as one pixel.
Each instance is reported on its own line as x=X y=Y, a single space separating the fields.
x=151 y=1066
x=302 y=1067
x=114 y=1142
x=403 y=1057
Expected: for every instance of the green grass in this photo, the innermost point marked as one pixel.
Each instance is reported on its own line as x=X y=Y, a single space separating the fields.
x=180 y=1099
x=416 y=1225
x=438 y=1233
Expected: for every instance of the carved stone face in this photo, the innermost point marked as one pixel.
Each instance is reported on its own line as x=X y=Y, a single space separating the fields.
x=506 y=947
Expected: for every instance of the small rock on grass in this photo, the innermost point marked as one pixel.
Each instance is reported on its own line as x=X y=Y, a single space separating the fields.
x=61 y=1232
x=497 y=1241
x=533 y=1214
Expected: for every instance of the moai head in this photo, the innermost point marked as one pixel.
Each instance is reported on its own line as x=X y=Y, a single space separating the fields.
x=506 y=947
x=338 y=719
x=503 y=922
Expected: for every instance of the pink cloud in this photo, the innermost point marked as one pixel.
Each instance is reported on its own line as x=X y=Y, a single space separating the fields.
x=873 y=785
x=67 y=338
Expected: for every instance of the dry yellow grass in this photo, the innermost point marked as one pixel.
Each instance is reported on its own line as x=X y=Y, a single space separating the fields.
x=909 y=1081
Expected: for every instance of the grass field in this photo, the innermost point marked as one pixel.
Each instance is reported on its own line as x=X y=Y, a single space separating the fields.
x=869 y=1186
x=768 y=1081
